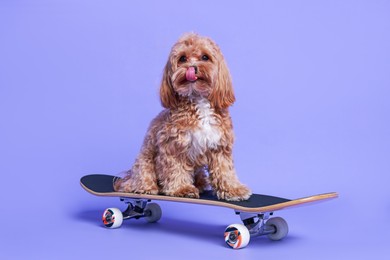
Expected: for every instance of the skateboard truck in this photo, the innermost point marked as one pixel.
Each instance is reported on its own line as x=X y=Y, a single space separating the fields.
x=135 y=208
x=256 y=223
x=141 y=208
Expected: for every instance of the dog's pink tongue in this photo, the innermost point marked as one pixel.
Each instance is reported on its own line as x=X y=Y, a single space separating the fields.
x=190 y=74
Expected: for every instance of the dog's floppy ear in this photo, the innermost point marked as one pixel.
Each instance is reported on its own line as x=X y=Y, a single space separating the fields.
x=167 y=95
x=222 y=95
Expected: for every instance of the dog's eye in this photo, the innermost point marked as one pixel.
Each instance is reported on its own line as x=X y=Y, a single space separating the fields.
x=205 y=57
x=183 y=59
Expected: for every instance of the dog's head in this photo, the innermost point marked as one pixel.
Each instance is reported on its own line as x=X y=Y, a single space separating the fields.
x=196 y=68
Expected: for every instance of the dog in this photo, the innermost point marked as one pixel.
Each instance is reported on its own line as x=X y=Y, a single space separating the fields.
x=188 y=146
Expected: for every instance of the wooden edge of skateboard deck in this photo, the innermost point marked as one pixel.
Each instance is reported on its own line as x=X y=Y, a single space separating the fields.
x=264 y=209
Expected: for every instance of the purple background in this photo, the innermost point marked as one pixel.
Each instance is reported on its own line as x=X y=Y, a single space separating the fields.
x=79 y=85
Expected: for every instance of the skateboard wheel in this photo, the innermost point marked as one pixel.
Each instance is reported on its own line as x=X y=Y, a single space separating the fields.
x=112 y=218
x=152 y=212
x=280 y=226
x=237 y=236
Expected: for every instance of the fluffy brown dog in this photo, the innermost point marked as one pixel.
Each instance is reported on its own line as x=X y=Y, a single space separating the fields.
x=194 y=132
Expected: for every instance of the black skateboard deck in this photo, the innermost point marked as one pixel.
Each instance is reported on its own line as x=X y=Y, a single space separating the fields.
x=102 y=185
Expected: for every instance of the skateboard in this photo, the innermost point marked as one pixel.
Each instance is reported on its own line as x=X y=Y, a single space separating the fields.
x=255 y=213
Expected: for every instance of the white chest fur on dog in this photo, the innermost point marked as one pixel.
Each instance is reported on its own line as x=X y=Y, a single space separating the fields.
x=207 y=135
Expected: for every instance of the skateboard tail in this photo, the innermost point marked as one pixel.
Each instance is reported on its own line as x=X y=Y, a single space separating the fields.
x=305 y=201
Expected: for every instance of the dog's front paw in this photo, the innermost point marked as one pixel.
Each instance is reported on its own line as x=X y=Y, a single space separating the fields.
x=129 y=187
x=147 y=191
x=234 y=193
x=185 y=191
